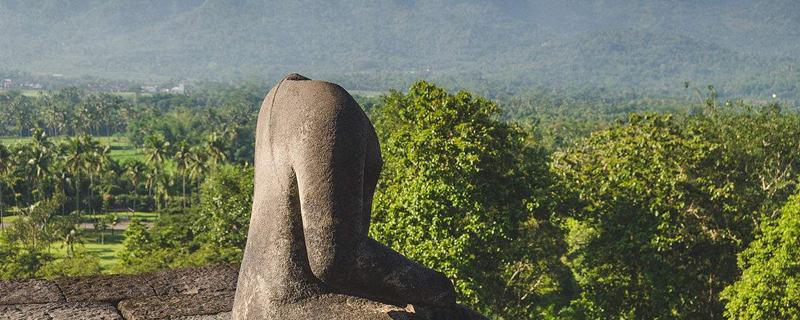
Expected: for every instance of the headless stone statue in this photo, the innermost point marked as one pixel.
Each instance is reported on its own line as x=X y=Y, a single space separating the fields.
x=308 y=255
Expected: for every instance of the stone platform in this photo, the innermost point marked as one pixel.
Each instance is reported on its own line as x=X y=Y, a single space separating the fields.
x=204 y=293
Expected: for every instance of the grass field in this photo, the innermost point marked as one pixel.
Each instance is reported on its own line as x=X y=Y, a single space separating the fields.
x=8 y=219
x=107 y=250
x=111 y=244
x=130 y=216
x=121 y=149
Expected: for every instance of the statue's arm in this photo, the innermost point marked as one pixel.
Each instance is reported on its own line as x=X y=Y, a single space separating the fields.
x=328 y=158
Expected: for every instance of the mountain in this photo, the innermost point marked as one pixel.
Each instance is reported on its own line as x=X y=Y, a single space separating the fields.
x=746 y=47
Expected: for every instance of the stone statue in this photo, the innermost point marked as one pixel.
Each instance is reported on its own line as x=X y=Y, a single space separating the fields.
x=308 y=254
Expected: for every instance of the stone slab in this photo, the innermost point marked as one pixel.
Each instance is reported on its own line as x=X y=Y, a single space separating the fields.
x=194 y=280
x=219 y=316
x=61 y=311
x=333 y=306
x=104 y=288
x=28 y=292
x=180 y=305
x=337 y=307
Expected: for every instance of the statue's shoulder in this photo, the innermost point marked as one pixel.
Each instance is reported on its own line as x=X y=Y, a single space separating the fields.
x=315 y=99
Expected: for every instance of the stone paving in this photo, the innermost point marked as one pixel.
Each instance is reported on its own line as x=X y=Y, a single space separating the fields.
x=204 y=293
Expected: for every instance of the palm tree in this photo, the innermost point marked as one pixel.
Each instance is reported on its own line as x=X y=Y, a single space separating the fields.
x=96 y=160
x=21 y=108
x=215 y=148
x=162 y=183
x=197 y=165
x=156 y=149
x=39 y=160
x=182 y=158
x=135 y=170
x=74 y=159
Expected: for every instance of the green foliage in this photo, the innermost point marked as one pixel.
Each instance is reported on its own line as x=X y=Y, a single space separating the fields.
x=650 y=230
x=213 y=232
x=82 y=264
x=18 y=262
x=661 y=207
x=461 y=192
x=757 y=155
x=769 y=287
x=226 y=198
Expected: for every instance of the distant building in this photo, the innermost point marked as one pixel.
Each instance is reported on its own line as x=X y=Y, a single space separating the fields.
x=149 y=89
x=7 y=84
x=31 y=85
x=180 y=89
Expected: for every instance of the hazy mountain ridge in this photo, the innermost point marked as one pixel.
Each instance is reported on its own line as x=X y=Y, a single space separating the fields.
x=564 y=43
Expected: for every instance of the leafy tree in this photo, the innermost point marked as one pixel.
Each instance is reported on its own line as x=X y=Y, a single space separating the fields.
x=463 y=193
x=17 y=262
x=226 y=198
x=80 y=264
x=757 y=156
x=137 y=244
x=37 y=224
x=769 y=287
x=654 y=233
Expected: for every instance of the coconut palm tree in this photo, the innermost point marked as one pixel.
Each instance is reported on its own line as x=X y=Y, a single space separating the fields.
x=182 y=158
x=197 y=165
x=21 y=109
x=156 y=149
x=96 y=161
x=135 y=170
x=40 y=157
x=162 y=183
x=215 y=148
x=74 y=158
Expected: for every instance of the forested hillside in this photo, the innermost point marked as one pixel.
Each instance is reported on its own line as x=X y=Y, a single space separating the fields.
x=745 y=48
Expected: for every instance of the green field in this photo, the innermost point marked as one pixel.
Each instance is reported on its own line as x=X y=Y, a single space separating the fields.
x=121 y=148
x=8 y=219
x=90 y=240
x=111 y=244
x=106 y=251
x=131 y=216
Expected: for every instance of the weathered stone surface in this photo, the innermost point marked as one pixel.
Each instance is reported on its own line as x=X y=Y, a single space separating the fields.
x=345 y=307
x=161 y=307
x=316 y=169
x=104 y=288
x=194 y=280
x=61 y=311
x=29 y=291
x=219 y=316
